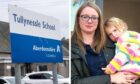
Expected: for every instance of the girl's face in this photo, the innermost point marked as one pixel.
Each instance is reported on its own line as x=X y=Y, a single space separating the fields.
x=113 y=33
x=88 y=20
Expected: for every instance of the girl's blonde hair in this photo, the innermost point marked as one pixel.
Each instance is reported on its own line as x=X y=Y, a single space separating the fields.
x=99 y=37
x=116 y=22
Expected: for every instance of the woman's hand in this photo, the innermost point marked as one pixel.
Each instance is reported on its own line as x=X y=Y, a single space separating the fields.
x=123 y=78
x=131 y=76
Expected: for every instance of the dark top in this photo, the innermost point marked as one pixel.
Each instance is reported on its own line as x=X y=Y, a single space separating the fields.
x=95 y=61
x=80 y=74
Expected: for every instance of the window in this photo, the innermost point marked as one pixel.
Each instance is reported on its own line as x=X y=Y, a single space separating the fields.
x=2 y=81
x=40 y=76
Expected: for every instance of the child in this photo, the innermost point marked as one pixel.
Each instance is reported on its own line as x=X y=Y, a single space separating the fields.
x=127 y=56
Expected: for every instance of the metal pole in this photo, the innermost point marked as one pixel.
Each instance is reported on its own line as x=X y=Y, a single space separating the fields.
x=55 y=80
x=17 y=74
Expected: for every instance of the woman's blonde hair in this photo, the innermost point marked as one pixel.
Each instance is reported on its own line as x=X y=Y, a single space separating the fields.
x=99 y=37
x=116 y=22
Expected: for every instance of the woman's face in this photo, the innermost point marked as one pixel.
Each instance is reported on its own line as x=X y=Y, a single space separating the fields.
x=88 y=20
x=113 y=33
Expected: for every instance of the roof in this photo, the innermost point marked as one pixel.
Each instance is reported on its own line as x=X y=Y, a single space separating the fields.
x=39 y=72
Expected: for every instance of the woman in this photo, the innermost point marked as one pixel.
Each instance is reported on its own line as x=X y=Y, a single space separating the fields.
x=87 y=54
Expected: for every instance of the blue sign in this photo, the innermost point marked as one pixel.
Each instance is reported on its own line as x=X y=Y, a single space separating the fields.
x=34 y=37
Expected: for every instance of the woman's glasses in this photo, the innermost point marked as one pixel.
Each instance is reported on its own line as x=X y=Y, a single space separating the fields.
x=87 y=18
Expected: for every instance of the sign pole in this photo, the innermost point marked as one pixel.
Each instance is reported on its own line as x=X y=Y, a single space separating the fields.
x=17 y=74
x=55 y=80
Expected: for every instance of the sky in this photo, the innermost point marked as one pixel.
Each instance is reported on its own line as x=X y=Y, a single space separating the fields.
x=57 y=8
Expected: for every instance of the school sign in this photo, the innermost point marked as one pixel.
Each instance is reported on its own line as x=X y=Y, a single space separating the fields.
x=34 y=37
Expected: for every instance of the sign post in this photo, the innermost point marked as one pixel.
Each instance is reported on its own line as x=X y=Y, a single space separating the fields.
x=17 y=74
x=55 y=80
x=35 y=38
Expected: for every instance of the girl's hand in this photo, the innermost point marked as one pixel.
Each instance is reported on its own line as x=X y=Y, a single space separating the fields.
x=131 y=76
x=106 y=70
x=122 y=78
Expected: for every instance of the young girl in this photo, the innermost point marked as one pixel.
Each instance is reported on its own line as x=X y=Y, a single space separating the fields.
x=127 y=56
